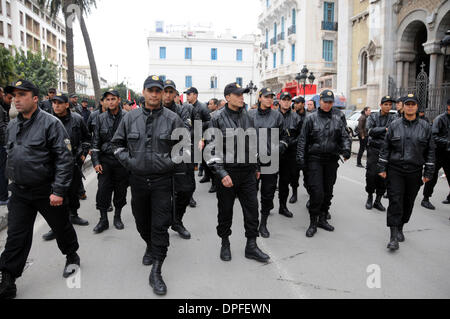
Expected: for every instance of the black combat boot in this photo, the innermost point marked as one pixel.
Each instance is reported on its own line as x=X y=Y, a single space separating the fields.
x=400 y=235
x=323 y=223
x=328 y=216
x=205 y=179
x=213 y=189
x=182 y=231
x=225 y=251
x=118 y=220
x=8 y=289
x=72 y=264
x=147 y=260
x=293 y=199
x=284 y=210
x=192 y=203
x=378 y=205
x=103 y=224
x=49 y=236
x=427 y=204
x=77 y=220
x=447 y=201
x=253 y=252
x=200 y=171
x=393 y=244
x=312 y=230
x=156 y=280
x=369 y=203
x=263 y=227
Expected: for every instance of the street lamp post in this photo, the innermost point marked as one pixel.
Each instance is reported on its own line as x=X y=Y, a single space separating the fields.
x=253 y=89
x=302 y=77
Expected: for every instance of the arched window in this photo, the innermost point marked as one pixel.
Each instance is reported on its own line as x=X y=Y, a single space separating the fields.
x=364 y=68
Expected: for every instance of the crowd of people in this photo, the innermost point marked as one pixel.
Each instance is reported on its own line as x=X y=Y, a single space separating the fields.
x=131 y=146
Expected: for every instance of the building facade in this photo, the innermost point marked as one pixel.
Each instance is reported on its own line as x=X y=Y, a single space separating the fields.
x=297 y=33
x=25 y=26
x=196 y=57
x=83 y=81
x=392 y=47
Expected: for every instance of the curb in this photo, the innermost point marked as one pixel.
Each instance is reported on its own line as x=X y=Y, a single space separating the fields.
x=4 y=209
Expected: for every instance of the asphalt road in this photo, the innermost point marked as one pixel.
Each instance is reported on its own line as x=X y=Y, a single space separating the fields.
x=330 y=265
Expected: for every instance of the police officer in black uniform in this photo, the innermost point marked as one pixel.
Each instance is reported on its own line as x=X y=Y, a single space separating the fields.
x=441 y=136
x=184 y=182
x=377 y=125
x=408 y=150
x=299 y=108
x=237 y=179
x=289 y=172
x=74 y=105
x=264 y=118
x=85 y=113
x=40 y=169
x=80 y=141
x=323 y=139
x=112 y=176
x=47 y=104
x=93 y=116
x=143 y=144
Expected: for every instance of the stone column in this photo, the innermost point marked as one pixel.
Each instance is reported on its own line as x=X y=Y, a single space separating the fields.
x=440 y=70
x=399 y=74
x=406 y=75
x=434 y=50
x=433 y=69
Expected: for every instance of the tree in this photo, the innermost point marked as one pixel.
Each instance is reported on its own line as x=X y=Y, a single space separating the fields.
x=70 y=10
x=38 y=69
x=7 y=69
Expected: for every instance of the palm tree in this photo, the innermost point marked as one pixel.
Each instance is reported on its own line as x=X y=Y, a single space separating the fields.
x=69 y=14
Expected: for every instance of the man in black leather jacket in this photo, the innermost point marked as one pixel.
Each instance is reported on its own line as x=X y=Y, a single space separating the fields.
x=377 y=124
x=323 y=139
x=47 y=104
x=184 y=182
x=237 y=178
x=93 y=117
x=80 y=140
x=441 y=136
x=40 y=169
x=289 y=172
x=407 y=151
x=264 y=118
x=112 y=176
x=143 y=144
x=299 y=108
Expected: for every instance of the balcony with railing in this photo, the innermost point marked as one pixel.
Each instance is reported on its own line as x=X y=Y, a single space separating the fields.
x=329 y=25
x=292 y=30
x=280 y=36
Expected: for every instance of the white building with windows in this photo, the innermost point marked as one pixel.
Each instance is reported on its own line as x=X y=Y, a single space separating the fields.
x=196 y=57
x=297 y=33
x=83 y=80
x=25 y=26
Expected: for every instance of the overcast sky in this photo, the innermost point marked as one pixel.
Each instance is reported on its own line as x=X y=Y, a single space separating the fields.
x=118 y=30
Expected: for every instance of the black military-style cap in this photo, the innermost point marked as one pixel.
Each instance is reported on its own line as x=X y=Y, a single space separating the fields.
x=327 y=96
x=61 y=98
x=112 y=92
x=387 y=98
x=411 y=98
x=22 y=85
x=51 y=90
x=234 y=88
x=400 y=99
x=73 y=96
x=299 y=99
x=191 y=90
x=285 y=95
x=153 y=81
x=276 y=102
x=170 y=84
x=84 y=100
x=266 y=92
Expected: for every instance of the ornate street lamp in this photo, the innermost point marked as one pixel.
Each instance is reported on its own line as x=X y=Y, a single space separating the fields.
x=445 y=45
x=302 y=77
x=252 y=89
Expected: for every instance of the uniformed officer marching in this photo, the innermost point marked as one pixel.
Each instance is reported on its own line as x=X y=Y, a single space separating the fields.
x=408 y=150
x=112 y=176
x=40 y=168
x=441 y=136
x=299 y=108
x=184 y=182
x=377 y=125
x=80 y=140
x=264 y=118
x=143 y=144
x=322 y=140
x=237 y=179
x=93 y=116
x=289 y=173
